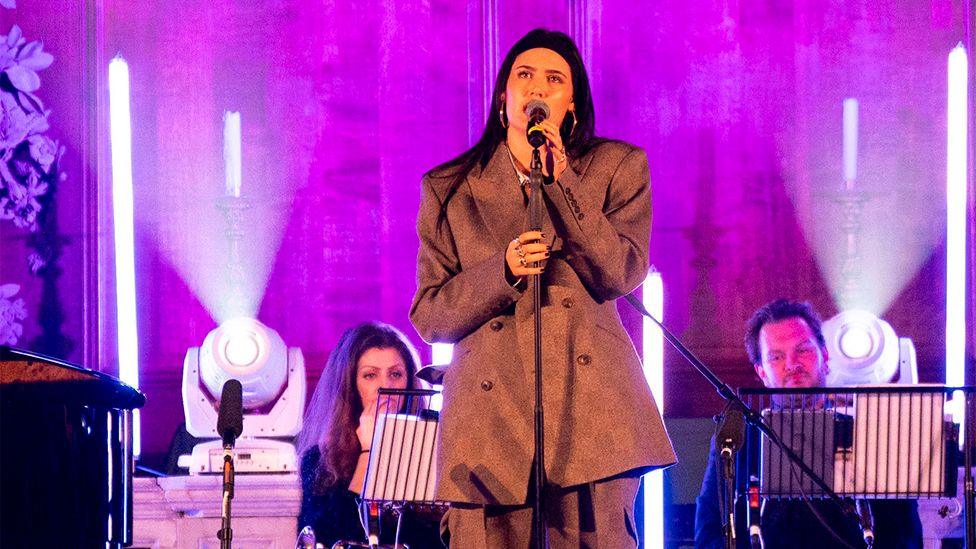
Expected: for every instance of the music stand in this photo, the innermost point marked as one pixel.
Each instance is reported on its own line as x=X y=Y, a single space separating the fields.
x=402 y=469
x=885 y=442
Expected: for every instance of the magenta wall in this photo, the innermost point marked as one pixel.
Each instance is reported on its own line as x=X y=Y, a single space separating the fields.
x=345 y=105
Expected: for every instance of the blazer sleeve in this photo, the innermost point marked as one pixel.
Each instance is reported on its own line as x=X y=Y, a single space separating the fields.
x=452 y=301
x=606 y=237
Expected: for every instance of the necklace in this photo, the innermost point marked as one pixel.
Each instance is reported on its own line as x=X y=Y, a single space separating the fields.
x=520 y=170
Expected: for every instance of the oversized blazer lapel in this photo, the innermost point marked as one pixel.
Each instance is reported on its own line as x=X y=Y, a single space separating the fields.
x=498 y=198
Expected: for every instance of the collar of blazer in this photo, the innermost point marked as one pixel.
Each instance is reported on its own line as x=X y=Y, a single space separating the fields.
x=499 y=200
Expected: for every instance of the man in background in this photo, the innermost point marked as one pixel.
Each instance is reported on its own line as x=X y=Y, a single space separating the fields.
x=787 y=349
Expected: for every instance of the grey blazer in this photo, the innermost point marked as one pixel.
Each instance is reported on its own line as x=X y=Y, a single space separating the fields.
x=600 y=417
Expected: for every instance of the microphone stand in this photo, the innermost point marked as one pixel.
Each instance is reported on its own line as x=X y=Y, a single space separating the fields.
x=230 y=425
x=539 y=533
x=754 y=511
x=729 y=436
x=226 y=534
x=735 y=402
x=728 y=496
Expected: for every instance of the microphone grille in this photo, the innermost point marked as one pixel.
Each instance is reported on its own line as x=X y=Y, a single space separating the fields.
x=732 y=428
x=537 y=104
x=230 y=416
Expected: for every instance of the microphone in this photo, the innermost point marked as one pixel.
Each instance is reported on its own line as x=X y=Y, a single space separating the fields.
x=230 y=417
x=537 y=111
x=731 y=431
x=866 y=518
x=230 y=424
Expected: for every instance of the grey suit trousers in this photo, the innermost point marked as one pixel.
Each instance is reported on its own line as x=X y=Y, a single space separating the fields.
x=589 y=516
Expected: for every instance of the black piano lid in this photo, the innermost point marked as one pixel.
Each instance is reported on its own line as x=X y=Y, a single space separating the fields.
x=25 y=374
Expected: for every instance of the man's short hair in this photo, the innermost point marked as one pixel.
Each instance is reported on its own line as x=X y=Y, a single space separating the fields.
x=774 y=311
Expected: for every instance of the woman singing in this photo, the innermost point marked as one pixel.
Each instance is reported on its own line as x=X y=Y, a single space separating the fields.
x=602 y=427
x=338 y=429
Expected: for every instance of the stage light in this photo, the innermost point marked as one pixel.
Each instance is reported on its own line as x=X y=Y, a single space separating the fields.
x=242 y=350
x=273 y=380
x=653 y=351
x=864 y=350
x=856 y=341
x=122 y=221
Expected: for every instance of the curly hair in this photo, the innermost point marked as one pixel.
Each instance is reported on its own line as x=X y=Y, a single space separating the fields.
x=333 y=413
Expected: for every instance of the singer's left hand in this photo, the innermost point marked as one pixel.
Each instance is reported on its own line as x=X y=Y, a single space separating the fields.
x=556 y=159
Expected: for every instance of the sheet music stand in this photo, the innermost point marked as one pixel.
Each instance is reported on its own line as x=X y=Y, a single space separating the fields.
x=402 y=466
x=887 y=442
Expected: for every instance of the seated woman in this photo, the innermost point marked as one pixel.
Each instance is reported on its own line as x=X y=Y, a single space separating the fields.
x=338 y=429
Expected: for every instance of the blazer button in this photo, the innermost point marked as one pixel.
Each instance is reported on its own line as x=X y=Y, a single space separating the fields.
x=568 y=302
x=583 y=360
x=495 y=325
x=487 y=385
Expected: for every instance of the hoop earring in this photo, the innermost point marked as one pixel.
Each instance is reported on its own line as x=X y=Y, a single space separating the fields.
x=501 y=116
x=572 y=129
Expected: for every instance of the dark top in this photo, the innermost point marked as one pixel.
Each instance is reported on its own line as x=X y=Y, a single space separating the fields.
x=790 y=523
x=334 y=515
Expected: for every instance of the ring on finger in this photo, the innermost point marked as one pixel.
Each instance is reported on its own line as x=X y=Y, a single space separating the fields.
x=517 y=241
x=522 y=261
x=520 y=251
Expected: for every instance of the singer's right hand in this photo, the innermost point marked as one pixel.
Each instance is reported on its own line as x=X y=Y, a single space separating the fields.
x=524 y=251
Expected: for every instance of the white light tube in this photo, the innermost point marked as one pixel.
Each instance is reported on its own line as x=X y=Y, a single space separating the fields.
x=440 y=354
x=125 y=280
x=653 y=346
x=956 y=200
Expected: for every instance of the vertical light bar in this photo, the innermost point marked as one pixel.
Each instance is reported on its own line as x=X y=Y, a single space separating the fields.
x=956 y=200
x=850 y=142
x=125 y=279
x=440 y=354
x=232 y=153
x=653 y=346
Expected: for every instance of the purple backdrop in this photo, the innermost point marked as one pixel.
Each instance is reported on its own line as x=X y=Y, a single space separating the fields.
x=345 y=105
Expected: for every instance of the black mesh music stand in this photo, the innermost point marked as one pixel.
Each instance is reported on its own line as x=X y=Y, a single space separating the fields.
x=402 y=459
x=889 y=442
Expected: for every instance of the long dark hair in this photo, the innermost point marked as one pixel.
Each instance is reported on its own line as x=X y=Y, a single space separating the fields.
x=577 y=141
x=333 y=413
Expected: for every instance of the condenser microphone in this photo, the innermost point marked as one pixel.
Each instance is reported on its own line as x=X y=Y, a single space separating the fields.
x=230 y=417
x=731 y=431
x=538 y=112
x=230 y=424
